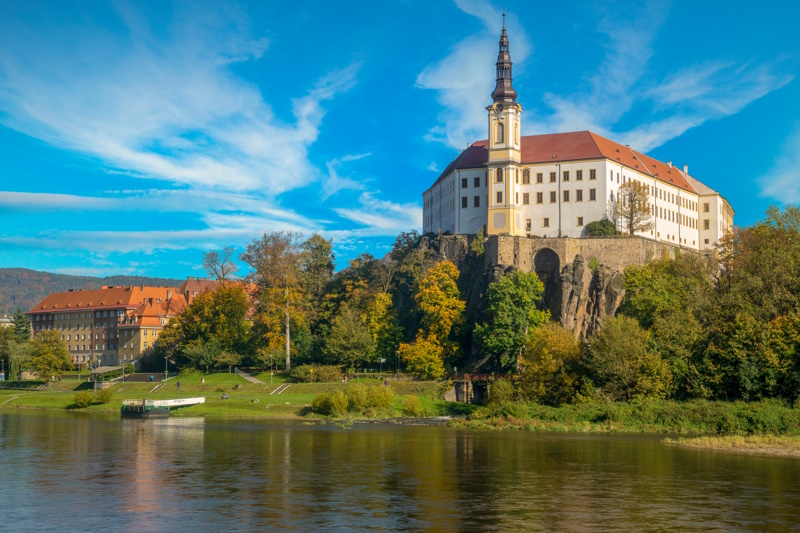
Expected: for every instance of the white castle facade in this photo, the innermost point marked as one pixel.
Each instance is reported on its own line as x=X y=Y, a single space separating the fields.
x=553 y=185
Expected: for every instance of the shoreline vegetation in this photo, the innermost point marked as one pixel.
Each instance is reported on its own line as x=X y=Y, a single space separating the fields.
x=768 y=427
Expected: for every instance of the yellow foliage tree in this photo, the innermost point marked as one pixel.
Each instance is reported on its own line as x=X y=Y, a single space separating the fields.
x=550 y=361
x=423 y=357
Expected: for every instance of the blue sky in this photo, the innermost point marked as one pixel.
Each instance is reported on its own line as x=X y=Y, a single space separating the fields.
x=135 y=135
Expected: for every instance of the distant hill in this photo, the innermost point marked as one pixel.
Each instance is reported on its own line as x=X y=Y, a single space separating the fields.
x=23 y=288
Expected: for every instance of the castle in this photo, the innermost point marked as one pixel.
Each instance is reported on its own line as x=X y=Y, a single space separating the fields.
x=553 y=185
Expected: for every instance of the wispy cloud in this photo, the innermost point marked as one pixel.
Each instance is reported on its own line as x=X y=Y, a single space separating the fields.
x=381 y=217
x=334 y=182
x=621 y=83
x=782 y=181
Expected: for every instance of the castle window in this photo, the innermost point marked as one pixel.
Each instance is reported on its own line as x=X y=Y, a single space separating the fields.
x=476 y=201
x=499 y=134
x=527 y=224
x=539 y=177
x=566 y=196
x=499 y=197
x=539 y=196
x=546 y=223
x=592 y=195
x=579 y=175
x=552 y=177
x=464 y=202
x=499 y=175
x=516 y=176
x=464 y=183
x=476 y=182
x=526 y=177
x=579 y=195
x=580 y=221
x=611 y=174
x=553 y=198
x=706 y=224
x=516 y=198
x=565 y=175
x=706 y=241
x=705 y=208
x=592 y=174
x=526 y=198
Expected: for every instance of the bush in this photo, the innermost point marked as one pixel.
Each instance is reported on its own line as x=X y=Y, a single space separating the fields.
x=104 y=395
x=500 y=392
x=355 y=398
x=83 y=399
x=600 y=228
x=312 y=373
x=330 y=403
x=379 y=397
x=412 y=406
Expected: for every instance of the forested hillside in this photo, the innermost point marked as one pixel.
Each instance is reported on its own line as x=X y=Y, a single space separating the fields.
x=23 y=288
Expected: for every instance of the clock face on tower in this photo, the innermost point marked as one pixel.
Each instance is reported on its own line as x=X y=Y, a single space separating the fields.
x=498 y=108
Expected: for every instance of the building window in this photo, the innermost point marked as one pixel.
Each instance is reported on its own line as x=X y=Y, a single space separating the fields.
x=579 y=175
x=476 y=182
x=706 y=224
x=464 y=202
x=526 y=198
x=611 y=174
x=476 y=201
x=539 y=196
x=552 y=177
x=526 y=177
x=499 y=134
x=499 y=175
x=580 y=221
x=566 y=196
x=516 y=175
x=539 y=177
x=706 y=241
x=527 y=224
x=579 y=195
x=546 y=223
x=565 y=175
x=553 y=198
x=516 y=198
x=592 y=174
x=499 y=197
x=705 y=208
x=464 y=183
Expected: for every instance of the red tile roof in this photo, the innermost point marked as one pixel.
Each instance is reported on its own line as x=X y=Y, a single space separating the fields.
x=573 y=146
x=129 y=297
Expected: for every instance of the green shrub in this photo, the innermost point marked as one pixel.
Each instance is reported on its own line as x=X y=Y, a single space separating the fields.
x=412 y=406
x=500 y=392
x=357 y=397
x=104 y=395
x=594 y=264
x=83 y=399
x=330 y=403
x=312 y=373
x=380 y=397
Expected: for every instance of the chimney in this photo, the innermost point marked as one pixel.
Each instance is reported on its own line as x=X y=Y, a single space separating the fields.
x=150 y=301
x=685 y=169
x=169 y=295
x=669 y=164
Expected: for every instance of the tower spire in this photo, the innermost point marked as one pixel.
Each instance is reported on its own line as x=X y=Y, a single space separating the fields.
x=504 y=90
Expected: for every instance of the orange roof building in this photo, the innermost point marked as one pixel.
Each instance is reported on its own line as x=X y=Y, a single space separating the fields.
x=553 y=185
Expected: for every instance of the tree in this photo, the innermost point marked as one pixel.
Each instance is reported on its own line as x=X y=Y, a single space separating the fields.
x=601 y=228
x=201 y=354
x=619 y=360
x=22 y=326
x=229 y=359
x=632 y=207
x=49 y=355
x=382 y=322
x=18 y=354
x=510 y=316
x=220 y=265
x=275 y=259
x=350 y=341
x=440 y=302
x=478 y=244
x=423 y=357
x=550 y=365
x=317 y=264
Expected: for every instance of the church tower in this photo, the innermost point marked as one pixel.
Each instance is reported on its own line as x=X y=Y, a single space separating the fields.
x=504 y=150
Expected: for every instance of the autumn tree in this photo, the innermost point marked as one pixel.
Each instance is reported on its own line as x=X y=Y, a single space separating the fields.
x=317 y=265
x=423 y=357
x=381 y=319
x=276 y=262
x=221 y=265
x=49 y=355
x=511 y=315
x=620 y=361
x=550 y=365
x=632 y=208
x=350 y=341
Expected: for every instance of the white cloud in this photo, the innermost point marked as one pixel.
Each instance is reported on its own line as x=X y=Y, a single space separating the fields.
x=782 y=181
x=380 y=217
x=334 y=183
x=685 y=99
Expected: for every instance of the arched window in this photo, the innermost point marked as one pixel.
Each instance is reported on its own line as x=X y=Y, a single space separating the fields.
x=499 y=136
x=499 y=175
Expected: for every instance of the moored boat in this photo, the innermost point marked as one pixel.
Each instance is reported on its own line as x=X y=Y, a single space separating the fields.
x=155 y=408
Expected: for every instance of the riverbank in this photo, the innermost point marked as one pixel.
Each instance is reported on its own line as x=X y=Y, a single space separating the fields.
x=768 y=445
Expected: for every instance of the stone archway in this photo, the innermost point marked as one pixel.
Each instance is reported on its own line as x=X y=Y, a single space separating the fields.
x=547 y=266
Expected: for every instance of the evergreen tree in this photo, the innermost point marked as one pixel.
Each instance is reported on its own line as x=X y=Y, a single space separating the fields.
x=22 y=326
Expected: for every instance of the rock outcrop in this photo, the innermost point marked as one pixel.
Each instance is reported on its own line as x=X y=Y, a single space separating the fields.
x=588 y=296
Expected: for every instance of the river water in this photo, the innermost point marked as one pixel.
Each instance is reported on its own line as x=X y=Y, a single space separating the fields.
x=72 y=473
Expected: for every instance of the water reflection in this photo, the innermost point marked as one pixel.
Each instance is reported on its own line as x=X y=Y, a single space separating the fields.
x=178 y=474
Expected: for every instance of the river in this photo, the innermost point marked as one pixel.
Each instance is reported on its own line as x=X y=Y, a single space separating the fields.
x=65 y=472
